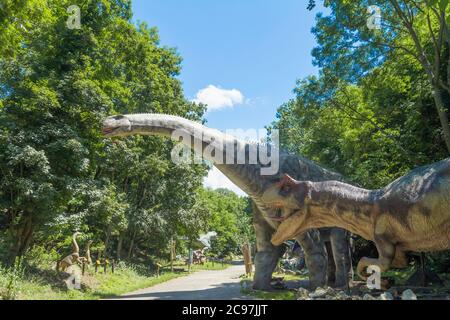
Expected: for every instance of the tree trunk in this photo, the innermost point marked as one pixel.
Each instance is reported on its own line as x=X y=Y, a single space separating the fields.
x=172 y=254
x=23 y=239
x=442 y=112
x=108 y=235
x=119 y=247
x=130 y=250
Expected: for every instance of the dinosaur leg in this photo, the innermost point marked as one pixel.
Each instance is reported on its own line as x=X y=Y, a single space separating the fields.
x=315 y=256
x=267 y=255
x=331 y=266
x=339 y=244
x=386 y=253
x=400 y=261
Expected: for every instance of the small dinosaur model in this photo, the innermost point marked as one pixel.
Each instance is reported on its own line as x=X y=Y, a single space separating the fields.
x=410 y=214
x=247 y=254
x=72 y=258
x=87 y=255
x=88 y=252
x=248 y=177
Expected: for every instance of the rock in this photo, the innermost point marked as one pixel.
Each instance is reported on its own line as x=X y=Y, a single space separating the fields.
x=368 y=297
x=302 y=294
x=408 y=295
x=319 y=293
x=394 y=293
x=386 y=296
x=341 y=295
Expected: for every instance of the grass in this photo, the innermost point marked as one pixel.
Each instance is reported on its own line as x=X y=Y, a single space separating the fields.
x=276 y=295
x=399 y=276
x=49 y=285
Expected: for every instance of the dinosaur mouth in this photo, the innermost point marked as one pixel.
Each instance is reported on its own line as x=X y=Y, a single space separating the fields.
x=275 y=205
x=278 y=217
x=289 y=229
x=107 y=131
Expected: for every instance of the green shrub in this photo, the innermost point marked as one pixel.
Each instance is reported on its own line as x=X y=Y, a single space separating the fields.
x=10 y=281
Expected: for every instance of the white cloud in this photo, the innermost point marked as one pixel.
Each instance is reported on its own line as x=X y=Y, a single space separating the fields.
x=217 y=179
x=217 y=98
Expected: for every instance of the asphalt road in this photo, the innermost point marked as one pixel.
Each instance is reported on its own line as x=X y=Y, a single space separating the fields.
x=201 y=285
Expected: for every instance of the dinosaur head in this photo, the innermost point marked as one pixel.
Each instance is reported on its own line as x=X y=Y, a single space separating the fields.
x=116 y=126
x=284 y=197
x=288 y=196
x=291 y=227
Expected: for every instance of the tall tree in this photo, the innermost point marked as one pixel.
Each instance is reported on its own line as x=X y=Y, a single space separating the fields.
x=409 y=29
x=56 y=85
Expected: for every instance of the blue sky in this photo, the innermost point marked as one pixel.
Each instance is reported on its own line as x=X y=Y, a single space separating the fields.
x=241 y=56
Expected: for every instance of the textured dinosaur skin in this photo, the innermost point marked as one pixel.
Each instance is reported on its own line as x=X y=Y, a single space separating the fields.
x=410 y=214
x=250 y=180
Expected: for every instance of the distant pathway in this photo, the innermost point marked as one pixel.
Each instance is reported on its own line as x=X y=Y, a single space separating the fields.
x=201 y=285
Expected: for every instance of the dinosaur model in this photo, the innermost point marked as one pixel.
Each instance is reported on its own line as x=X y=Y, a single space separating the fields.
x=248 y=177
x=247 y=255
x=72 y=258
x=88 y=252
x=87 y=259
x=410 y=214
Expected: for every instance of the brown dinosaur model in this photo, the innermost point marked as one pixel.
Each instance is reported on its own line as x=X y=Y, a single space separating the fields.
x=72 y=258
x=410 y=214
x=87 y=255
x=247 y=254
x=88 y=252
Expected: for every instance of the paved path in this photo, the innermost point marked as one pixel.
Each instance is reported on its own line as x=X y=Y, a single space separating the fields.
x=201 y=285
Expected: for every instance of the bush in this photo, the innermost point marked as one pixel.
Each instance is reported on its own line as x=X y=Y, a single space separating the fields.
x=439 y=261
x=10 y=281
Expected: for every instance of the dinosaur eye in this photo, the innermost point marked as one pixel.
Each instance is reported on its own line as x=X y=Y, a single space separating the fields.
x=285 y=189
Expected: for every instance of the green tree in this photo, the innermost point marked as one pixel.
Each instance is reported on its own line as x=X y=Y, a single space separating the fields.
x=410 y=30
x=230 y=218
x=57 y=170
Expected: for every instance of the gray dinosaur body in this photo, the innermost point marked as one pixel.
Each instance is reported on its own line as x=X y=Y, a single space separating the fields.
x=248 y=177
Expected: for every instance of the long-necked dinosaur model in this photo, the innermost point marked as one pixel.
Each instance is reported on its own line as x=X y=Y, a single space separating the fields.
x=88 y=252
x=72 y=258
x=410 y=214
x=250 y=179
x=87 y=255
